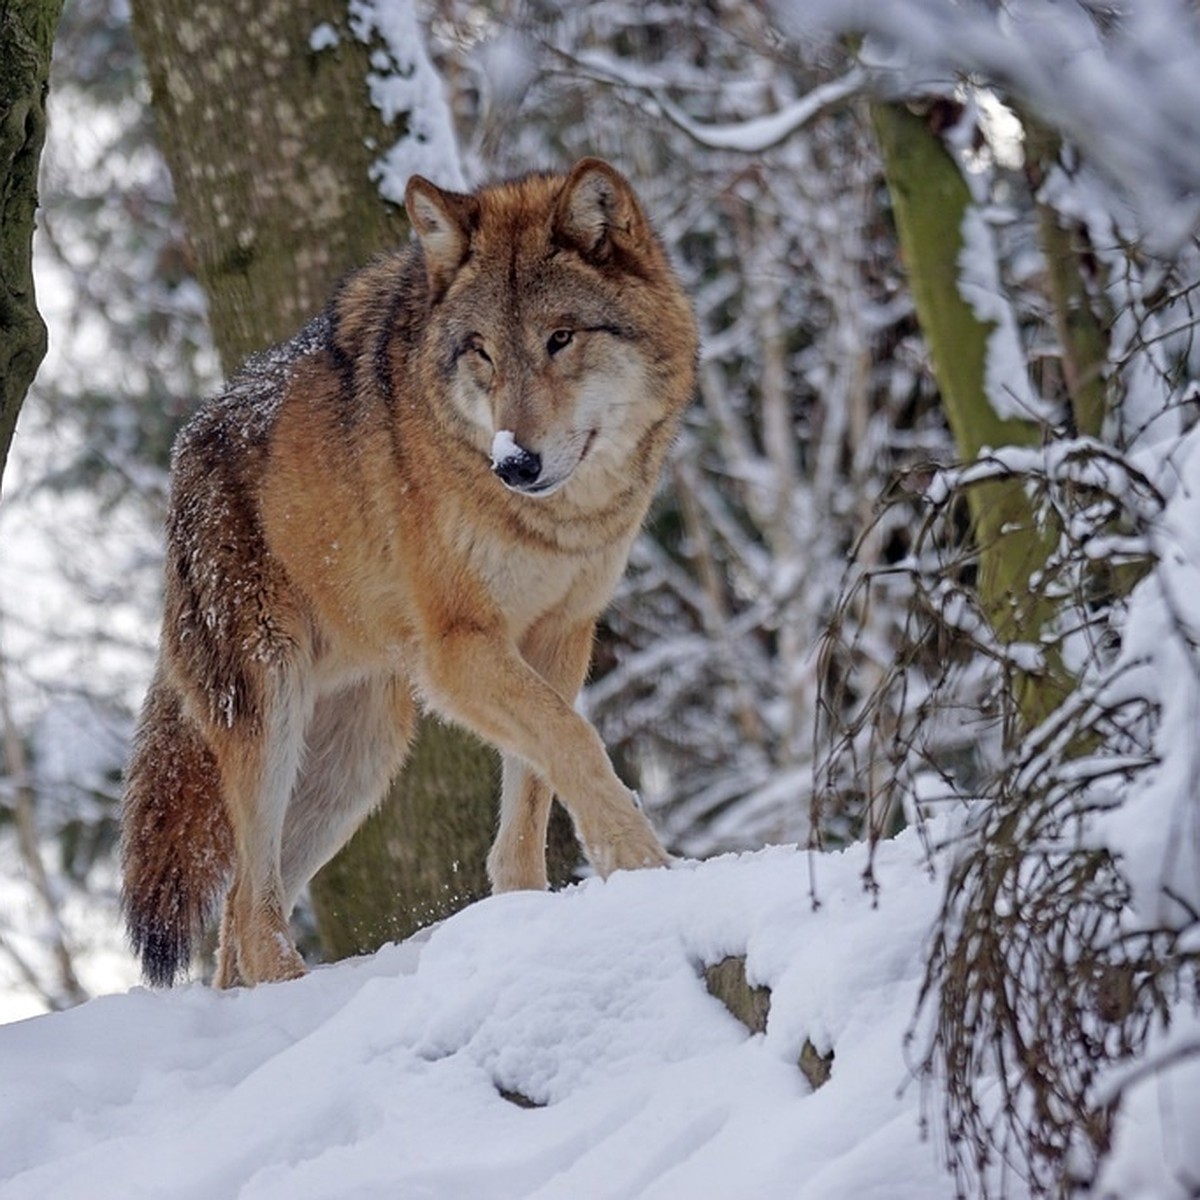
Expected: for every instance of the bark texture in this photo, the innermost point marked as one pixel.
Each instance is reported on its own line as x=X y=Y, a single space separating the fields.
x=426 y=841
x=26 y=38
x=270 y=144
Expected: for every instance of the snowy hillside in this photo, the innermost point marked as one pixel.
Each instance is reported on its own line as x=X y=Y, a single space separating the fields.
x=382 y=1077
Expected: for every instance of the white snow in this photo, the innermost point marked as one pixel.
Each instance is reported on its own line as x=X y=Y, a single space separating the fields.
x=381 y=1077
x=323 y=37
x=507 y=65
x=759 y=134
x=1127 y=96
x=405 y=84
x=504 y=446
x=1006 y=375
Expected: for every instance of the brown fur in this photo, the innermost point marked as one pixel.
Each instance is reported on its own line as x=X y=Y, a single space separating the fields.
x=340 y=548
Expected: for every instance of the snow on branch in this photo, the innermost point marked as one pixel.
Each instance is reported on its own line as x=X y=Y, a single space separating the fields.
x=1122 y=83
x=766 y=132
x=752 y=136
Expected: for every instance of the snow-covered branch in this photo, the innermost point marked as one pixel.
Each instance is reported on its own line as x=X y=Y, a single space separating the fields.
x=758 y=134
x=1123 y=84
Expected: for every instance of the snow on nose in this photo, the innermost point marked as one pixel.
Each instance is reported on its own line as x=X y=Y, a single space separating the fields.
x=517 y=467
x=504 y=445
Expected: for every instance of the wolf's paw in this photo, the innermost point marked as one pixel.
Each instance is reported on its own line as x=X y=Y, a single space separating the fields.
x=269 y=957
x=629 y=847
x=285 y=963
x=516 y=869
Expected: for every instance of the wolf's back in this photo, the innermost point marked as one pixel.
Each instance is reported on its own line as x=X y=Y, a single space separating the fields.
x=176 y=840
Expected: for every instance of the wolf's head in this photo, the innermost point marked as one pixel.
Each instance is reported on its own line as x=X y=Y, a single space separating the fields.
x=557 y=328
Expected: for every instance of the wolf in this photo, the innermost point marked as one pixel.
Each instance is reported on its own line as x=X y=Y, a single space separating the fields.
x=422 y=501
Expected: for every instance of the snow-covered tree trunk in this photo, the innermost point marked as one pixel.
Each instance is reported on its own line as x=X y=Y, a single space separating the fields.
x=272 y=137
x=26 y=36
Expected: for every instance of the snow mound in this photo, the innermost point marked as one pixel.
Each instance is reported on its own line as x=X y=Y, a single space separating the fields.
x=535 y=1045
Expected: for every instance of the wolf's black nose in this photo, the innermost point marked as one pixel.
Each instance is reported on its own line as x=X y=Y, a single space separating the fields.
x=520 y=468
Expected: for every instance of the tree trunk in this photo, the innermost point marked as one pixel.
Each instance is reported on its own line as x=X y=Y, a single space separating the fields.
x=26 y=37
x=270 y=144
x=930 y=199
x=1082 y=333
x=430 y=841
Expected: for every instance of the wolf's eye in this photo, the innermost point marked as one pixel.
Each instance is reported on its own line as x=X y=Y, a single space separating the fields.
x=474 y=345
x=559 y=340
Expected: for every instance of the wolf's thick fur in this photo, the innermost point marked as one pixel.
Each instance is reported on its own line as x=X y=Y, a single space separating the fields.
x=426 y=497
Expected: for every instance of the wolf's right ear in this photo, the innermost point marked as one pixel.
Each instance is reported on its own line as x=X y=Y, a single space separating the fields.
x=443 y=223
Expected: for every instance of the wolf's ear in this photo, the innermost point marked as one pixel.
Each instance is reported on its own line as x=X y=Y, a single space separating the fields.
x=443 y=223
x=598 y=213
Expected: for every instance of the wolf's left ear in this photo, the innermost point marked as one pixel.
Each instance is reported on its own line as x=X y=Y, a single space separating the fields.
x=443 y=223
x=598 y=212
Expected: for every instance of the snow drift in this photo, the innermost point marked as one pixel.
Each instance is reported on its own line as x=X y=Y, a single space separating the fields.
x=534 y=1045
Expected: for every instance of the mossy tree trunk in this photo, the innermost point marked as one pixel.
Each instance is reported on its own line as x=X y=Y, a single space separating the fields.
x=268 y=143
x=930 y=199
x=26 y=38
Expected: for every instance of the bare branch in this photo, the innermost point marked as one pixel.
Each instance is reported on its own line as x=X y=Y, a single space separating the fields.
x=68 y=990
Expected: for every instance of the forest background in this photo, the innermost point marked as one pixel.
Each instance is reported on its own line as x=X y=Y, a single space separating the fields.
x=920 y=546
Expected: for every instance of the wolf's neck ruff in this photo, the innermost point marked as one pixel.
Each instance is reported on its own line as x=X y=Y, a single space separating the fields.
x=429 y=493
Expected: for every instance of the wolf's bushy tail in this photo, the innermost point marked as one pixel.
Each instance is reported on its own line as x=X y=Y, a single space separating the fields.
x=176 y=840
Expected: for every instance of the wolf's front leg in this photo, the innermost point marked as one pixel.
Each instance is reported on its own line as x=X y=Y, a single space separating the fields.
x=517 y=860
x=477 y=677
x=560 y=651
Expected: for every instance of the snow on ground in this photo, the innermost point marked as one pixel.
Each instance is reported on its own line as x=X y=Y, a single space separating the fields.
x=381 y=1077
